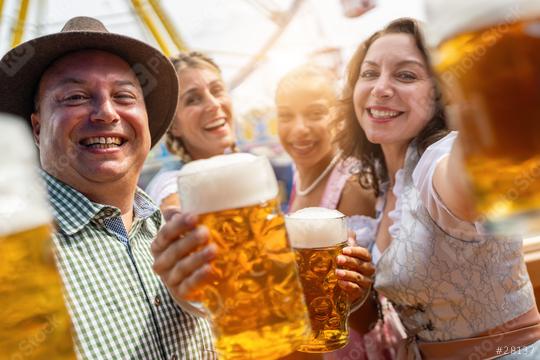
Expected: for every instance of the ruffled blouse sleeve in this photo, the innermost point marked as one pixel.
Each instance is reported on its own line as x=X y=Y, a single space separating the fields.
x=365 y=229
x=423 y=181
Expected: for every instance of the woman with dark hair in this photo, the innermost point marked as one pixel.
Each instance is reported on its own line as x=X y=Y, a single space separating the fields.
x=305 y=101
x=203 y=124
x=454 y=287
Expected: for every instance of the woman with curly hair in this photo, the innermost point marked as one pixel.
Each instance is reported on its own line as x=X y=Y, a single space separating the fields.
x=459 y=292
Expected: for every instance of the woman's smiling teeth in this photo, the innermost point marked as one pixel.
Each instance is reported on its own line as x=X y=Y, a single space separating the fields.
x=302 y=148
x=384 y=114
x=215 y=124
x=102 y=142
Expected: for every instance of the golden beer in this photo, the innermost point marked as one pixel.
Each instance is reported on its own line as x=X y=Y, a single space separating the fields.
x=256 y=304
x=490 y=70
x=327 y=303
x=318 y=236
x=34 y=321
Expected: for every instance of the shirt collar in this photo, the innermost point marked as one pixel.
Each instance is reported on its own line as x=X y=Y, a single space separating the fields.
x=143 y=206
x=73 y=211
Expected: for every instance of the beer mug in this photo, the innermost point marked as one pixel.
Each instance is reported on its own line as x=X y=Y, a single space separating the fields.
x=255 y=302
x=488 y=60
x=318 y=236
x=35 y=323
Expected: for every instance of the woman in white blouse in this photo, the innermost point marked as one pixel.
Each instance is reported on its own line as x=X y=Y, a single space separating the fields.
x=460 y=293
x=203 y=124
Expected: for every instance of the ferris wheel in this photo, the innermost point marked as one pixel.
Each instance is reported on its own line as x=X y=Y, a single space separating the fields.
x=150 y=19
x=169 y=24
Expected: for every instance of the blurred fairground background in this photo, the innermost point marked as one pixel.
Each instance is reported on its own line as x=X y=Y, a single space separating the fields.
x=254 y=41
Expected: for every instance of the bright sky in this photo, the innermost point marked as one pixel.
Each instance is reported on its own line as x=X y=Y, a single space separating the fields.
x=231 y=31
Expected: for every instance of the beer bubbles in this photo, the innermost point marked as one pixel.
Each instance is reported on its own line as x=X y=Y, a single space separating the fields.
x=35 y=323
x=255 y=301
x=23 y=204
x=487 y=58
x=226 y=181
x=316 y=227
x=318 y=236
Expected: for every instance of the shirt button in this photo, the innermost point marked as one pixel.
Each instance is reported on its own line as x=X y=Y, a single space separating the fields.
x=157 y=302
x=108 y=212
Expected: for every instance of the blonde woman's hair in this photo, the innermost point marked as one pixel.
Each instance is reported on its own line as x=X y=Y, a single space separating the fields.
x=308 y=71
x=191 y=60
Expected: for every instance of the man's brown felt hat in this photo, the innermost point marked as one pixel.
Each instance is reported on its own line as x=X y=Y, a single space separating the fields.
x=21 y=69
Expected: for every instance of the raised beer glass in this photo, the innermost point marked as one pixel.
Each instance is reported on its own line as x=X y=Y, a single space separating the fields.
x=318 y=236
x=255 y=302
x=488 y=60
x=34 y=321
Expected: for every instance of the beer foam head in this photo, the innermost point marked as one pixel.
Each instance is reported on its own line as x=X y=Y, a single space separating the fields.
x=316 y=227
x=448 y=18
x=226 y=182
x=23 y=202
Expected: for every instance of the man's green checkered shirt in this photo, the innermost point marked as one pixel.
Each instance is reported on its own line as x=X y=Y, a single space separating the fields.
x=118 y=306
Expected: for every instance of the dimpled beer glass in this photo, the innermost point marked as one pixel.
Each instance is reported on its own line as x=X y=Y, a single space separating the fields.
x=34 y=321
x=256 y=305
x=318 y=236
x=488 y=60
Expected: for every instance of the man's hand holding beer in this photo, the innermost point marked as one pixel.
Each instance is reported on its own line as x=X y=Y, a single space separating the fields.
x=182 y=255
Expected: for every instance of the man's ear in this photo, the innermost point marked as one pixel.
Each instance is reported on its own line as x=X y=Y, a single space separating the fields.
x=36 y=127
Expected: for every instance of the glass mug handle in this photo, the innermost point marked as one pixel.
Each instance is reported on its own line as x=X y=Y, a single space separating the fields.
x=194 y=308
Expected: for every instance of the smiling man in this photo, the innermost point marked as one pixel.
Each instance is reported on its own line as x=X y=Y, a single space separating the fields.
x=97 y=102
x=91 y=107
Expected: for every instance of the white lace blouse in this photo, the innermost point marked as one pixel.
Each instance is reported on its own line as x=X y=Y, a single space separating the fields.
x=447 y=278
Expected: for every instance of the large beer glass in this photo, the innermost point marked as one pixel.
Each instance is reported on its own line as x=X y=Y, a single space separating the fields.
x=318 y=236
x=34 y=321
x=488 y=60
x=256 y=305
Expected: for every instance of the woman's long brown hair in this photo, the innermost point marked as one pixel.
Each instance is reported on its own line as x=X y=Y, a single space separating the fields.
x=351 y=138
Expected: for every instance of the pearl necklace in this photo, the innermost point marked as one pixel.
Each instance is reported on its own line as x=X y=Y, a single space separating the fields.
x=314 y=184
